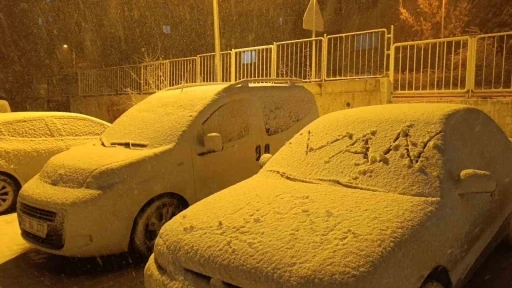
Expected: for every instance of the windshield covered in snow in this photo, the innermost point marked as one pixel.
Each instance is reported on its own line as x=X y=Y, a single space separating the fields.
x=355 y=151
x=161 y=119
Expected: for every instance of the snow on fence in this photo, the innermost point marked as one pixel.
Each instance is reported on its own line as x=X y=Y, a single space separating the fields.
x=493 y=62
x=356 y=55
x=440 y=66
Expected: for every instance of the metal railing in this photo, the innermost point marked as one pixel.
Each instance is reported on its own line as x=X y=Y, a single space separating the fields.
x=206 y=67
x=355 y=55
x=301 y=59
x=251 y=63
x=440 y=66
x=493 y=62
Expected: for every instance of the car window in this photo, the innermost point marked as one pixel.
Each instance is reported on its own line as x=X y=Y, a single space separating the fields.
x=231 y=121
x=281 y=112
x=33 y=128
x=78 y=127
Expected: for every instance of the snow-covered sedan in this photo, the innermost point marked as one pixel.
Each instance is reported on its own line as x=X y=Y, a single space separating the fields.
x=404 y=195
x=169 y=151
x=29 y=139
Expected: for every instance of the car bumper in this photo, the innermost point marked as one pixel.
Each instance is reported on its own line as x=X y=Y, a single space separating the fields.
x=76 y=220
x=157 y=277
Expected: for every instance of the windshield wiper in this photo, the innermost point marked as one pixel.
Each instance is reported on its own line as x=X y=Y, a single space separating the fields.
x=292 y=178
x=350 y=185
x=130 y=144
x=103 y=141
x=345 y=184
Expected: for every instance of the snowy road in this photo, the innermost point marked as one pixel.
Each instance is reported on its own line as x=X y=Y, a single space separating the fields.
x=23 y=267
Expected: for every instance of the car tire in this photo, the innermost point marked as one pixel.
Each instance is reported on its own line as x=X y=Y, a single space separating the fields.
x=9 y=190
x=149 y=222
x=509 y=236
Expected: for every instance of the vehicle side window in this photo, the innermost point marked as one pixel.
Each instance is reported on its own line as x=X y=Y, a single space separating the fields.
x=282 y=112
x=231 y=121
x=33 y=128
x=77 y=127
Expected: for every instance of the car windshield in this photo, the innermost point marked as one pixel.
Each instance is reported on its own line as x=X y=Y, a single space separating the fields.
x=160 y=119
x=399 y=156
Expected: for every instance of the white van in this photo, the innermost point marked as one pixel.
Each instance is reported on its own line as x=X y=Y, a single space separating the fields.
x=173 y=149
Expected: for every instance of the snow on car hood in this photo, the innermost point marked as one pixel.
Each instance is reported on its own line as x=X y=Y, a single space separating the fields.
x=72 y=168
x=271 y=232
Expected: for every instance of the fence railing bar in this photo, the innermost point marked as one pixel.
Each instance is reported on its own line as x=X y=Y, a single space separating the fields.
x=503 y=62
x=461 y=50
x=414 y=69
x=421 y=67
x=494 y=61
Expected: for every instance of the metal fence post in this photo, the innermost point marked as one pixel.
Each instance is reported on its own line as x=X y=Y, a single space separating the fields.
x=233 y=66
x=388 y=52
x=392 y=65
x=142 y=78
x=273 y=63
x=198 y=70
x=325 y=43
x=471 y=64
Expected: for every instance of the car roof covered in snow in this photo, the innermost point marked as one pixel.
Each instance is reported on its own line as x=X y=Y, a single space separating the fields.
x=160 y=119
x=398 y=148
x=15 y=116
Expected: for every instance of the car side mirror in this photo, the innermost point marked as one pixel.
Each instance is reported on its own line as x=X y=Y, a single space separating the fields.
x=264 y=159
x=213 y=142
x=475 y=182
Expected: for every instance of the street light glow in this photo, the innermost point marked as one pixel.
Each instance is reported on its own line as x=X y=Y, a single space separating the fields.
x=65 y=46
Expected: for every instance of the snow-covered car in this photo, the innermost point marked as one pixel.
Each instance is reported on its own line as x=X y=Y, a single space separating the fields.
x=29 y=139
x=4 y=107
x=403 y=195
x=176 y=147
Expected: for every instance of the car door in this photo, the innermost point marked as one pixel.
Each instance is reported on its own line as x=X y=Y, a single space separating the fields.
x=34 y=145
x=75 y=131
x=239 y=123
x=285 y=113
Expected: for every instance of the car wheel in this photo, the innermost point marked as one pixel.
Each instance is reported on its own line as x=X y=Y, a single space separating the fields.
x=8 y=194
x=509 y=236
x=149 y=222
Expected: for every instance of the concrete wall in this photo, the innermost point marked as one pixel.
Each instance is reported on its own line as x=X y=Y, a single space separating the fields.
x=107 y=108
x=340 y=95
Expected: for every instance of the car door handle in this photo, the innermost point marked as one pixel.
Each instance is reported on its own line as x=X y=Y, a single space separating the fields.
x=258 y=152
x=267 y=149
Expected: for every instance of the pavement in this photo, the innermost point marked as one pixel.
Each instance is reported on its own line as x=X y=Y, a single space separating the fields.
x=24 y=267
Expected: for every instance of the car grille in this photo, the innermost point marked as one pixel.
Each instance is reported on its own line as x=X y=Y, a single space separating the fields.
x=208 y=278
x=37 y=213
x=53 y=240
x=54 y=237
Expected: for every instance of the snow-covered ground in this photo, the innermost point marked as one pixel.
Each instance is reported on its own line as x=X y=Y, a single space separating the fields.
x=24 y=267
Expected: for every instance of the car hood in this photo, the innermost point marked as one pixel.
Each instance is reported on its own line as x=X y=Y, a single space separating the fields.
x=271 y=232
x=73 y=167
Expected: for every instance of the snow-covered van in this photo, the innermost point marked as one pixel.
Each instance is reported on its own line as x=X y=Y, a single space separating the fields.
x=388 y=196
x=29 y=139
x=171 y=150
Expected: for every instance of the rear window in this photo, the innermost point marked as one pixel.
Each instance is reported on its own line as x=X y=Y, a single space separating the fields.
x=282 y=112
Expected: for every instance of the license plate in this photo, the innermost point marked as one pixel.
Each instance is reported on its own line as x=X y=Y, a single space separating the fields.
x=33 y=226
